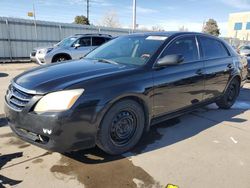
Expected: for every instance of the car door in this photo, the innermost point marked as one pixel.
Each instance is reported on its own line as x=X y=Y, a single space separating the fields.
x=218 y=66
x=84 y=47
x=181 y=85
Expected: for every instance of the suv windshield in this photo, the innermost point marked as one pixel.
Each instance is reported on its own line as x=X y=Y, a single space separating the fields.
x=67 y=42
x=135 y=50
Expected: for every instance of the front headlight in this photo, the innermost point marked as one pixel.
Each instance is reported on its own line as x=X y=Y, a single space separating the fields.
x=42 y=51
x=58 y=101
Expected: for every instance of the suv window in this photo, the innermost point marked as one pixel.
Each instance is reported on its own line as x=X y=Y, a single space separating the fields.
x=245 y=48
x=84 y=41
x=185 y=46
x=97 y=41
x=212 y=48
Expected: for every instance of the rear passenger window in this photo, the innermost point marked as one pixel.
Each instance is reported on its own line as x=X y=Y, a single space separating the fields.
x=185 y=46
x=212 y=48
x=97 y=41
x=85 y=41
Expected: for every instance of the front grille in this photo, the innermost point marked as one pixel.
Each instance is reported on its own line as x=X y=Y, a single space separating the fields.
x=17 y=99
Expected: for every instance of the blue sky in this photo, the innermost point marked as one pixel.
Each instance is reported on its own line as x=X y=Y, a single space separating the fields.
x=169 y=14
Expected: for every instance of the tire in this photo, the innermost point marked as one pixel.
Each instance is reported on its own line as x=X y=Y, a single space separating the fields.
x=121 y=127
x=60 y=58
x=230 y=95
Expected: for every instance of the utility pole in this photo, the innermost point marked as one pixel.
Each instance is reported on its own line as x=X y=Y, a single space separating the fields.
x=34 y=16
x=87 y=9
x=134 y=15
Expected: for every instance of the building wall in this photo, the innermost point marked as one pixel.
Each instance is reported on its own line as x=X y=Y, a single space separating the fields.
x=239 y=26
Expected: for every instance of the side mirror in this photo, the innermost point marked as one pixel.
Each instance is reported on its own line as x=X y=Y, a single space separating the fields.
x=169 y=60
x=76 y=46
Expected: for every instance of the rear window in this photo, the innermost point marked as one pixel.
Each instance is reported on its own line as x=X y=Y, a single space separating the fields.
x=212 y=48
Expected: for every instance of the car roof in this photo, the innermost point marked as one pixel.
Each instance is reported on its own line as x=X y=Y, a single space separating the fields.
x=93 y=35
x=170 y=33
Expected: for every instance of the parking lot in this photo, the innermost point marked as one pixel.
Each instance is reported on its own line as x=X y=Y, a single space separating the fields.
x=207 y=148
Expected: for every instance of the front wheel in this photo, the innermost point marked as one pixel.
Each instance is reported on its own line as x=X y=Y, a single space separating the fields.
x=121 y=128
x=60 y=58
x=230 y=95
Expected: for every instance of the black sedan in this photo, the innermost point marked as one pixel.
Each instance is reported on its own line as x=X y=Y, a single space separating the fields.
x=120 y=89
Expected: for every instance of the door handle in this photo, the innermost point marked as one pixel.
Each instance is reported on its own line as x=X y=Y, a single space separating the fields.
x=199 y=72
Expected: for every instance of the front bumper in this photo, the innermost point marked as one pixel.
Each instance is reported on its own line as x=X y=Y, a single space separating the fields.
x=60 y=132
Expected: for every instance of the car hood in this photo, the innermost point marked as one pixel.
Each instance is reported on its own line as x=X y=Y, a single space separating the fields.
x=58 y=76
x=43 y=47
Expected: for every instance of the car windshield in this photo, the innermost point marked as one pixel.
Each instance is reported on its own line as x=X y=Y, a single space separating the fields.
x=134 y=50
x=67 y=42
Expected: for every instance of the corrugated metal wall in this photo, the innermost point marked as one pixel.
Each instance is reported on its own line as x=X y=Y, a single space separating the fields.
x=19 y=36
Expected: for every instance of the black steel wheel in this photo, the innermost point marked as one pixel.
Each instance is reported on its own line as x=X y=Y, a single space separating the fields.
x=121 y=127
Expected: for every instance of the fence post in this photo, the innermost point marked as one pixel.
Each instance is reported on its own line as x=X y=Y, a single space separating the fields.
x=60 y=32
x=9 y=41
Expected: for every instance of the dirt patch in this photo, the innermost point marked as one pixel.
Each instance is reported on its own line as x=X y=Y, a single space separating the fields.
x=37 y=161
x=7 y=135
x=102 y=170
x=24 y=146
x=15 y=141
x=153 y=135
x=94 y=168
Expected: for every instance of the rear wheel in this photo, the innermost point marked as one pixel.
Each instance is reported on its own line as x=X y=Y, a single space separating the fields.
x=230 y=95
x=121 y=128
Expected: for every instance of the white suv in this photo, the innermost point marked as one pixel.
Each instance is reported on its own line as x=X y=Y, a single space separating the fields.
x=73 y=47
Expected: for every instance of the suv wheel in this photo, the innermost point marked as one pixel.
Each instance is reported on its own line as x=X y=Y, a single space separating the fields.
x=60 y=58
x=230 y=95
x=121 y=128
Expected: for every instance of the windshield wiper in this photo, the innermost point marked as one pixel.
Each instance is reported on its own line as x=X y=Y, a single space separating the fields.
x=107 y=61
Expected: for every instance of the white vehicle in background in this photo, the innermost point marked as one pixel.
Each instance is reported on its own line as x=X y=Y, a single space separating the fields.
x=244 y=50
x=73 y=47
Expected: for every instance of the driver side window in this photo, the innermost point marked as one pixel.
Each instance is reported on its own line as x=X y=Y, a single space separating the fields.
x=185 y=46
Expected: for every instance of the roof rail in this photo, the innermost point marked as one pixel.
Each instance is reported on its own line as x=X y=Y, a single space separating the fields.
x=90 y=34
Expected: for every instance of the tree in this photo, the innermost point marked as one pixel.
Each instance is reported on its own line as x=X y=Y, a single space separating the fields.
x=81 y=20
x=211 y=27
x=157 y=28
x=110 y=19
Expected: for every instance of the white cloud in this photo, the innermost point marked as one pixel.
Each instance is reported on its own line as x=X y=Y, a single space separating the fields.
x=239 y=4
x=142 y=10
x=175 y=25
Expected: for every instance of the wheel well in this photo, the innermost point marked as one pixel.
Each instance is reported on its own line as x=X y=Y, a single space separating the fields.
x=68 y=57
x=238 y=78
x=143 y=105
